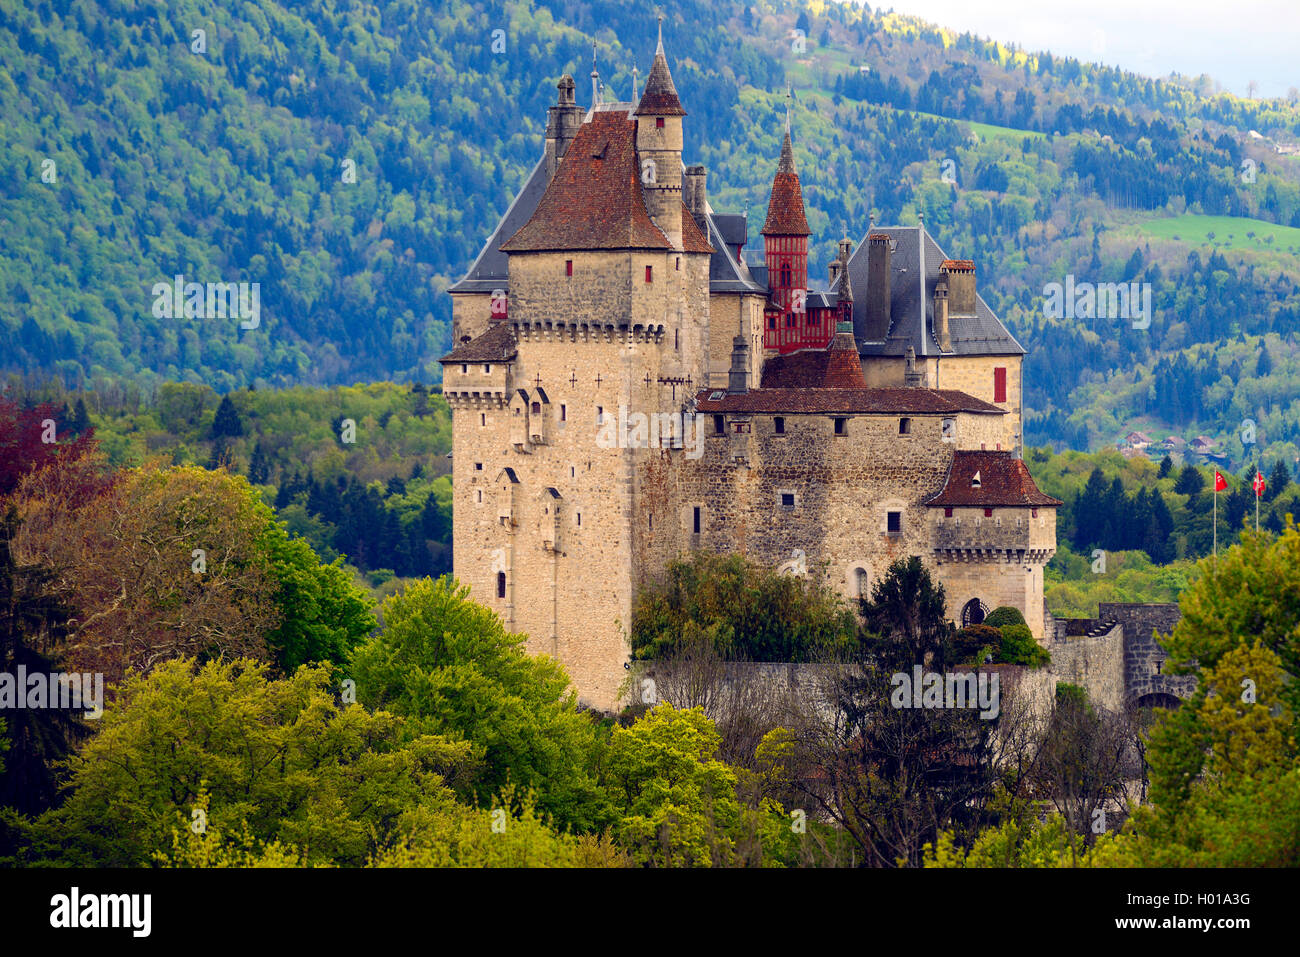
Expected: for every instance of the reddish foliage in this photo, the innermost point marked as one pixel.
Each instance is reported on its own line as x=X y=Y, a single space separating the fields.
x=22 y=449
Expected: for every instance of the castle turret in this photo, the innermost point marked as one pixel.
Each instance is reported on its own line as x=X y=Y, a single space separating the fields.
x=785 y=242
x=659 y=147
x=562 y=122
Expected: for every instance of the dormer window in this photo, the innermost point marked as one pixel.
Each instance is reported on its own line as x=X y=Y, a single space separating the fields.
x=975 y=481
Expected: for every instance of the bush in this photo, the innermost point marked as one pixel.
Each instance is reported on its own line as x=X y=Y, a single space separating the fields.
x=1020 y=648
x=970 y=642
x=1004 y=615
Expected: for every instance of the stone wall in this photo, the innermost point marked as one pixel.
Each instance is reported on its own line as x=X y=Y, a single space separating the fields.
x=1144 y=659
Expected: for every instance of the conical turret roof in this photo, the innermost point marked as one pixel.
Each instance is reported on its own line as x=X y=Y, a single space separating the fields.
x=660 y=97
x=785 y=212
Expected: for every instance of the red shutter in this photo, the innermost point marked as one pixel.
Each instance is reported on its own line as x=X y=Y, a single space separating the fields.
x=1000 y=384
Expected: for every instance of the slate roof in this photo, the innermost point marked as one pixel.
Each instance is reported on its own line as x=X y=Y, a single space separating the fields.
x=1003 y=481
x=846 y=401
x=911 y=313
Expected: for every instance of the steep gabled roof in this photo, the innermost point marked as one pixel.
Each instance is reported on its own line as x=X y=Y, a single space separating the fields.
x=835 y=367
x=595 y=200
x=785 y=212
x=912 y=311
x=1003 y=480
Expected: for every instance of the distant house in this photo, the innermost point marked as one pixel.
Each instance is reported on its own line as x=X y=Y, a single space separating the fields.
x=1203 y=445
x=1174 y=443
x=1138 y=440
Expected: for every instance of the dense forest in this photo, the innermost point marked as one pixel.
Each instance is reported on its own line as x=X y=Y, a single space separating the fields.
x=349 y=158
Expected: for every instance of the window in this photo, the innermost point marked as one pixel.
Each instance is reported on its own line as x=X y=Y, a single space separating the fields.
x=1000 y=384
x=564 y=413
x=947 y=513
x=841 y=426
x=785 y=276
x=771 y=320
x=988 y=513
x=697 y=520
x=478 y=466
x=487 y=367
x=679 y=264
x=464 y=369
x=482 y=418
x=973 y=612
x=894 y=523
x=787 y=499
x=600 y=415
x=659 y=122
x=778 y=425
x=580 y=520
x=651 y=520
x=537 y=408
x=1033 y=513
x=568 y=267
x=501 y=584
x=572 y=471
x=860 y=583
x=904 y=426
x=649 y=273
x=480 y=496
x=719 y=424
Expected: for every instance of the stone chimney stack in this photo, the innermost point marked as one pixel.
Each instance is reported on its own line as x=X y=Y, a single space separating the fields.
x=879 y=249
x=696 y=195
x=738 y=377
x=960 y=275
x=562 y=122
x=941 y=330
x=912 y=377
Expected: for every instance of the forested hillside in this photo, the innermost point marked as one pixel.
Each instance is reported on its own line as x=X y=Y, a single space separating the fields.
x=351 y=157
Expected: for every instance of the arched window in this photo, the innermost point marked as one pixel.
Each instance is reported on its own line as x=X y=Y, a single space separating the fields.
x=501 y=584
x=785 y=276
x=860 y=583
x=973 y=612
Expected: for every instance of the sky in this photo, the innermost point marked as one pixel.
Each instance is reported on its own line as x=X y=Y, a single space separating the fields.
x=1234 y=42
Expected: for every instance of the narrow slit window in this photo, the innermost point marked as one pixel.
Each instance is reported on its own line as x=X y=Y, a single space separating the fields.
x=778 y=425
x=501 y=584
x=696 y=526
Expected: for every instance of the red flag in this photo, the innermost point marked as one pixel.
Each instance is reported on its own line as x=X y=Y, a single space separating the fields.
x=1258 y=485
x=1219 y=483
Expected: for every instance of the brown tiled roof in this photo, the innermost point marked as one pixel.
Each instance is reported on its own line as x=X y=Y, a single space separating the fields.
x=845 y=401
x=785 y=212
x=693 y=240
x=497 y=344
x=1003 y=480
x=594 y=201
x=836 y=367
x=660 y=96
x=958 y=265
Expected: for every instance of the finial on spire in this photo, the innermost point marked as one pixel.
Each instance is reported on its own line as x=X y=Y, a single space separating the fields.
x=789 y=96
x=595 y=77
x=635 y=95
x=660 y=47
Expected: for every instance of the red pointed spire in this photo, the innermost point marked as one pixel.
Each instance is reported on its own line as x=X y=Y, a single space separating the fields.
x=785 y=211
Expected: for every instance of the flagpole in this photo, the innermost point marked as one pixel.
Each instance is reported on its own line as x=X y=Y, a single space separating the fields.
x=1216 y=516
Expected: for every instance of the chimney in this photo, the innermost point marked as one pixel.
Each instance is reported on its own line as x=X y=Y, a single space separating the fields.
x=738 y=377
x=696 y=197
x=878 y=296
x=941 y=330
x=911 y=377
x=960 y=275
x=562 y=122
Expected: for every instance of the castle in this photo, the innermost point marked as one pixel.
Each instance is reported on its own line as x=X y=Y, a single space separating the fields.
x=625 y=389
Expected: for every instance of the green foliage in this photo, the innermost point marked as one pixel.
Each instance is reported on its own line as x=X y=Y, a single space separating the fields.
x=448 y=667
x=1018 y=647
x=749 y=611
x=278 y=758
x=1004 y=615
x=908 y=610
x=975 y=644
x=677 y=802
